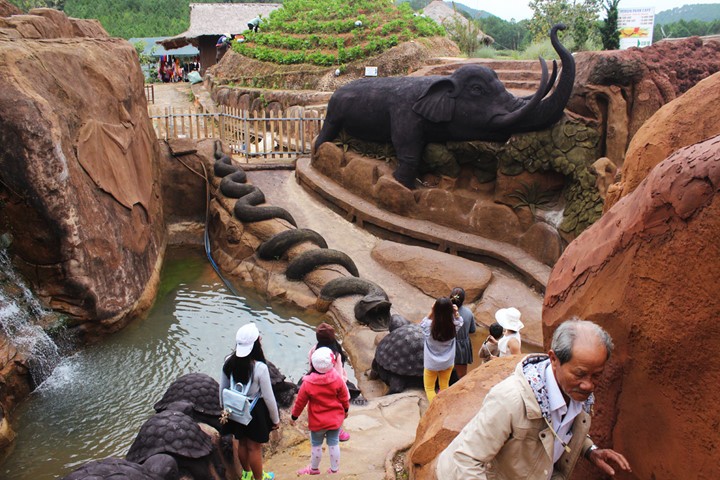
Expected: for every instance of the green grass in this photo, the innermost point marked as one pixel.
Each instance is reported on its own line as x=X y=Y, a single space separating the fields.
x=326 y=33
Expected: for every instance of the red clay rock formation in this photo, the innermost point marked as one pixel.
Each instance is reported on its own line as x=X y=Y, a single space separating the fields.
x=622 y=89
x=647 y=272
x=689 y=119
x=460 y=203
x=49 y=23
x=451 y=410
x=80 y=186
x=434 y=273
x=7 y=9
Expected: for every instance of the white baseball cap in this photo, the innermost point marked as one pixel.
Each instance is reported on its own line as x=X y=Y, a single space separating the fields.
x=245 y=339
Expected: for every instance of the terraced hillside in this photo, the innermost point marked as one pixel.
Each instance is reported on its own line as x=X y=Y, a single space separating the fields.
x=333 y=32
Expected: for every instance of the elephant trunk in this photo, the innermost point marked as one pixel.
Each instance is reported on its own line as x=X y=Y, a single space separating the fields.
x=523 y=105
x=551 y=109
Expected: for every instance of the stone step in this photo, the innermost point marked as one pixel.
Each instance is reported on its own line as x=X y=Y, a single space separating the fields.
x=522 y=75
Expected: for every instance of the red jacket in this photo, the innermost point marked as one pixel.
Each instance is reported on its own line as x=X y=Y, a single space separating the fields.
x=327 y=399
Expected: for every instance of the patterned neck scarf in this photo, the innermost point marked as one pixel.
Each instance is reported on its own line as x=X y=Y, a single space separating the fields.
x=534 y=371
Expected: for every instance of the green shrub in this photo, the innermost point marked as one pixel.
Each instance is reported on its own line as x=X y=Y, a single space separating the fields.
x=324 y=32
x=485 y=52
x=539 y=49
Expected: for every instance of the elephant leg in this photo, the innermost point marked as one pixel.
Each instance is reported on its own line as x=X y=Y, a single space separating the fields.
x=407 y=170
x=409 y=148
x=330 y=130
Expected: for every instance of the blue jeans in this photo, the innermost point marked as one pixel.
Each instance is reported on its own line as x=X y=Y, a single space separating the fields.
x=333 y=437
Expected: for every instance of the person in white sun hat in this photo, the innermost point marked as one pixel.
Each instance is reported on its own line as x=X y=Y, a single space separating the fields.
x=509 y=319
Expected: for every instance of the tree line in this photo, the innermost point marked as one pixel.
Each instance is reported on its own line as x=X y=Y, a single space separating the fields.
x=130 y=18
x=160 y=18
x=684 y=28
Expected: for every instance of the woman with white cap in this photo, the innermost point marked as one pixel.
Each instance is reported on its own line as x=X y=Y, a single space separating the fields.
x=509 y=319
x=247 y=363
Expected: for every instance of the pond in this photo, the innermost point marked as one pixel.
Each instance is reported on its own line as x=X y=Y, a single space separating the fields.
x=94 y=403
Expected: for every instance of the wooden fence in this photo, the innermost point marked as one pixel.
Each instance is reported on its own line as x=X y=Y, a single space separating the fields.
x=150 y=92
x=270 y=134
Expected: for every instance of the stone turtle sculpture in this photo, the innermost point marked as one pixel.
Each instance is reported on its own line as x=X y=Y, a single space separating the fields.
x=178 y=435
x=399 y=357
x=157 y=467
x=196 y=395
x=283 y=390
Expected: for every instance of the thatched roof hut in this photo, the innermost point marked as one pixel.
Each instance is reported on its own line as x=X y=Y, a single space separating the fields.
x=208 y=21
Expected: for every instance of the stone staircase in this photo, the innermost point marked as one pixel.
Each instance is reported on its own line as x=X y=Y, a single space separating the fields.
x=519 y=76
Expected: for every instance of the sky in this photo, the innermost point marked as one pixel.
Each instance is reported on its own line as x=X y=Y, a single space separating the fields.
x=519 y=10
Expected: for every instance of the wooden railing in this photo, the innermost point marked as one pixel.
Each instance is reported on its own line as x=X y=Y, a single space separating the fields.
x=170 y=122
x=270 y=134
x=150 y=92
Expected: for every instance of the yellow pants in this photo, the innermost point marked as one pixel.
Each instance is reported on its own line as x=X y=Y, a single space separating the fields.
x=429 y=377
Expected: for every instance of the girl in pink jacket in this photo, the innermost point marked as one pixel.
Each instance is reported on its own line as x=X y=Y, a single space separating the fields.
x=328 y=401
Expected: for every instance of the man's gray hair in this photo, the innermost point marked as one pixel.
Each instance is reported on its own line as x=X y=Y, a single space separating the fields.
x=565 y=335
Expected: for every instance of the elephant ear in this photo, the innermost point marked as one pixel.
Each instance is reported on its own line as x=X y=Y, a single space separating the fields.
x=436 y=104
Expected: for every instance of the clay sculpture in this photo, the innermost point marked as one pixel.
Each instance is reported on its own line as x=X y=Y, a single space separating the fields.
x=470 y=104
x=399 y=358
x=178 y=435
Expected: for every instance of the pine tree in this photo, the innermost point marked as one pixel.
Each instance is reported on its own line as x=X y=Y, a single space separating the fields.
x=609 y=33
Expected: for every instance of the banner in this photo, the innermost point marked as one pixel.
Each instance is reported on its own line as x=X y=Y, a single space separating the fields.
x=636 y=26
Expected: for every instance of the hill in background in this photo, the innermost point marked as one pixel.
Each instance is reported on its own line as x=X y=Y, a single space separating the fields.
x=154 y=18
x=705 y=13
x=471 y=11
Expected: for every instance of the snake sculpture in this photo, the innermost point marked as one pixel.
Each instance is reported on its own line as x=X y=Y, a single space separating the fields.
x=372 y=310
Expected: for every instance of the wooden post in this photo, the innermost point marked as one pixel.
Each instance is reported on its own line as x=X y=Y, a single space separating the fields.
x=222 y=123
x=182 y=123
x=301 y=142
x=280 y=130
x=246 y=135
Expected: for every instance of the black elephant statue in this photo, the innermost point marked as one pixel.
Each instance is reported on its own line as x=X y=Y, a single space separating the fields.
x=471 y=104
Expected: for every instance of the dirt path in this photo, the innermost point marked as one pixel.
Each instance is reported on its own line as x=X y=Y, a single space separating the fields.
x=172 y=95
x=281 y=189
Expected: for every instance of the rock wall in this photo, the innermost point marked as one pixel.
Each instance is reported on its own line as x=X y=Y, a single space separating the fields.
x=80 y=190
x=647 y=272
x=458 y=197
x=688 y=119
x=622 y=89
x=7 y=9
x=451 y=410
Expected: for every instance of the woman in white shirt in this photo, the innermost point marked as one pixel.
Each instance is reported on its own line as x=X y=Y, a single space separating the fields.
x=439 y=329
x=509 y=319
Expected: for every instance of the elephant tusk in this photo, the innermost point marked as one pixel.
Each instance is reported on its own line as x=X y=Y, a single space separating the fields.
x=507 y=120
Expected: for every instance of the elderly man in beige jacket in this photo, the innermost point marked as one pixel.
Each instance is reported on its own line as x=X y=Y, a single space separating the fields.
x=535 y=423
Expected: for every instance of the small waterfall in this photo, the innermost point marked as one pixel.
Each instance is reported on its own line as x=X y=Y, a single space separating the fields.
x=553 y=213
x=553 y=217
x=20 y=313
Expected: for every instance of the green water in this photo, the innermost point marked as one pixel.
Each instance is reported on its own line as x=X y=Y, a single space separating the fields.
x=96 y=400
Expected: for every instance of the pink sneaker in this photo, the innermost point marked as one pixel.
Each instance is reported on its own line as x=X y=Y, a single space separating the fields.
x=344 y=436
x=330 y=471
x=308 y=471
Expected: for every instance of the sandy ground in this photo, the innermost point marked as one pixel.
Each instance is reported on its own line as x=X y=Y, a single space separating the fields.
x=281 y=189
